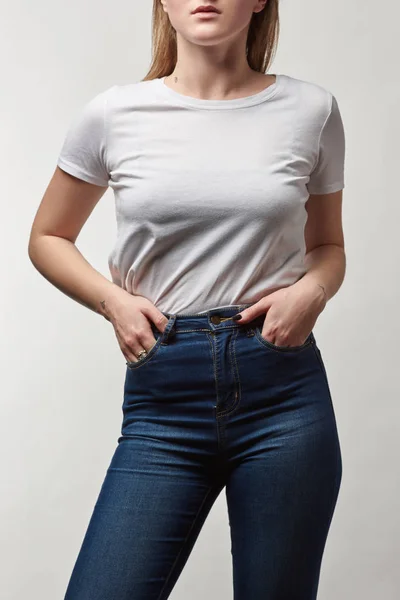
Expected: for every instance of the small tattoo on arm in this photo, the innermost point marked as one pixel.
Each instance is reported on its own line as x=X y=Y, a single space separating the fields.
x=103 y=313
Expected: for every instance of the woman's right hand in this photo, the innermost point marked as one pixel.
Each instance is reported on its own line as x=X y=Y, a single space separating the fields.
x=130 y=316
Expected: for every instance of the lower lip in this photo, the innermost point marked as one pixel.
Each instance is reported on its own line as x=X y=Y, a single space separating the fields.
x=206 y=13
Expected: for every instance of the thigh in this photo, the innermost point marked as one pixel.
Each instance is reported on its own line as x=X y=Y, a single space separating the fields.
x=285 y=479
x=148 y=514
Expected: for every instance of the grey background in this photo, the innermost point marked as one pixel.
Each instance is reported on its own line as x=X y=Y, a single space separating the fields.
x=61 y=367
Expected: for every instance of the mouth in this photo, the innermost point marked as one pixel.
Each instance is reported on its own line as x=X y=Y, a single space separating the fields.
x=206 y=9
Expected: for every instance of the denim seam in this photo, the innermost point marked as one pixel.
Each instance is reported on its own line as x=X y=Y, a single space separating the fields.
x=339 y=457
x=149 y=356
x=209 y=334
x=215 y=355
x=339 y=452
x=207 y=330
x=236 y=402
x=283 y=349
x=322 y=367
x=213 y=361
x=162 y=340
x=184 y=542
x=190 y=330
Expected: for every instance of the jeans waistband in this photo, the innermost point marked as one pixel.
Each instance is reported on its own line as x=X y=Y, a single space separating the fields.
x=212 y=319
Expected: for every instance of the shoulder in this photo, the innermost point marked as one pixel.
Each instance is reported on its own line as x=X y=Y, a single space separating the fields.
x=136 y=92
x=118 y=94
x=310 y=98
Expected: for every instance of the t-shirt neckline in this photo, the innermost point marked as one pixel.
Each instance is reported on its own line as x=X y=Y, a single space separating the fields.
x=193 y=102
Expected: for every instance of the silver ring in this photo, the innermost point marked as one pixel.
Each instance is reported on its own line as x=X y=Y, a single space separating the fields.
x=142 y=353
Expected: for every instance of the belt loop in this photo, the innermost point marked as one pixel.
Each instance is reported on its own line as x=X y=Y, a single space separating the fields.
x=168 y=329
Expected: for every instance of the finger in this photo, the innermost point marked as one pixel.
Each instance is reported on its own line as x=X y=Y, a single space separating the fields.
x=250 y=313
x=271 y=339
x=126 y=350
x=157 y=317
x=131 y=354
x=148 y=339
x=145 y=340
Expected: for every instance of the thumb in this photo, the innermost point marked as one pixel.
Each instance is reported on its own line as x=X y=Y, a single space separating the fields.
x=158 y=318
x=253 y=311
x=162 y=322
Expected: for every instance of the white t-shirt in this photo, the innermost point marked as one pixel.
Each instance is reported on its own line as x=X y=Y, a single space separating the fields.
x=209 y=194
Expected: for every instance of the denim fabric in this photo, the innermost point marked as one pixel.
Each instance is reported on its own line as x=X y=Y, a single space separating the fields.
x=215 y=406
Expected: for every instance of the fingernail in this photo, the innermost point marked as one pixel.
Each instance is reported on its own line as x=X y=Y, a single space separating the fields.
x=236 y=317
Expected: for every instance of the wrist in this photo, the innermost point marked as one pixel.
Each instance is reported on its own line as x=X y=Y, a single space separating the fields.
x=108 y=300
x=316 y=289
x=321 y=294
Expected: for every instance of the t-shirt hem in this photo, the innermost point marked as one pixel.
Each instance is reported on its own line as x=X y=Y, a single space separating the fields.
x=328 y=189
x=80 y=173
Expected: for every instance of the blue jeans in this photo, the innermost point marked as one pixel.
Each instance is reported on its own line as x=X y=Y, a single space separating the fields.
x=214 y=405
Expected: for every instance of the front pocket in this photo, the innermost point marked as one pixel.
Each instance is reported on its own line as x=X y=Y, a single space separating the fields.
x=160 y=336
x=257 y=334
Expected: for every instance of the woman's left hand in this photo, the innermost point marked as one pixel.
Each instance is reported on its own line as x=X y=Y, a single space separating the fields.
x=291 y=313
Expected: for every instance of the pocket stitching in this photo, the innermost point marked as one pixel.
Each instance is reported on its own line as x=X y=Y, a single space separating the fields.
x=150 y=353
x=281 y=349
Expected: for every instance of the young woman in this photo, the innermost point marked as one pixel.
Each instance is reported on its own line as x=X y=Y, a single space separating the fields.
x=228 y=186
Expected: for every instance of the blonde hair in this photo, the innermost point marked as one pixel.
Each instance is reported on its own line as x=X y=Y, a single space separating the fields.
x=262 y=40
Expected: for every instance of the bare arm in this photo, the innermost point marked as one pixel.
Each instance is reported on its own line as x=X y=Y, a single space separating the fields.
x=292 y=311
x=64 y=209
x=325 y=259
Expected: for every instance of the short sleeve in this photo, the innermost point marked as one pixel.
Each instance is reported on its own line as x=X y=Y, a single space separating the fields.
x=327 y=175
x=83 y=152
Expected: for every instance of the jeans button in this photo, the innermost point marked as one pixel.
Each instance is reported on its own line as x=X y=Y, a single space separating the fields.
x=215 y=319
